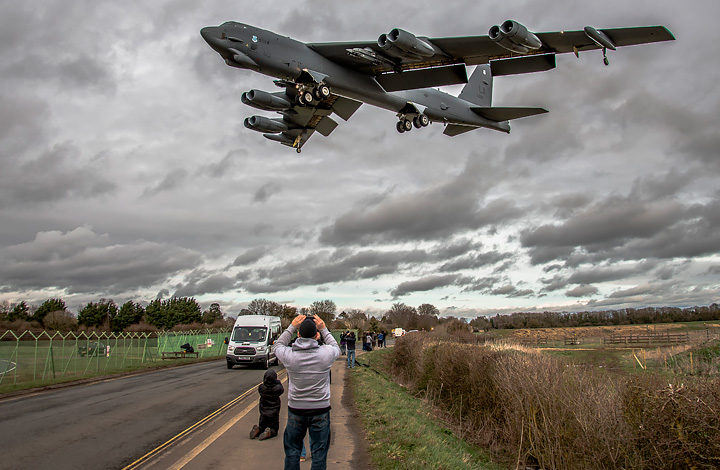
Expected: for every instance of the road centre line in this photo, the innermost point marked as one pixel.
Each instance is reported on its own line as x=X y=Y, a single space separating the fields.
x=192 y=428
x=204 y=445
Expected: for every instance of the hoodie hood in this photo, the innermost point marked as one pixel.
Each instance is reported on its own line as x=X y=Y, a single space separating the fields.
x=304 y=343
x=270 y=377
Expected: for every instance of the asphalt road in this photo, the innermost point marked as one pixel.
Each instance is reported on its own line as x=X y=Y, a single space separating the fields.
x=110 y=424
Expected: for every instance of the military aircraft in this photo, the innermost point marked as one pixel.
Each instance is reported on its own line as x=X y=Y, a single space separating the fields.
x=398 y=72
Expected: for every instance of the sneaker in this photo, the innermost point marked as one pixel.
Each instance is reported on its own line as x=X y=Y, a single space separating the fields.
x=266 y=434
x=255 y=432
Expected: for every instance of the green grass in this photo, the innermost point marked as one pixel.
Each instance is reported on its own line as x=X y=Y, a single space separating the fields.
x=402 y=430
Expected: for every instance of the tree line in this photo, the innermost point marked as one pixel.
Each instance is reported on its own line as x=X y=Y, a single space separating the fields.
x=106 y=314
x=625 y=316
x=169 y=313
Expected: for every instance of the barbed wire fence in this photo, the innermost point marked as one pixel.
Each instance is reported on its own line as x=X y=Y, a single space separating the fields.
x=40 y=358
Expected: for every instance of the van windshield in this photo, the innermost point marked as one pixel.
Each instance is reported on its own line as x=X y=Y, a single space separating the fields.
x=249 y=333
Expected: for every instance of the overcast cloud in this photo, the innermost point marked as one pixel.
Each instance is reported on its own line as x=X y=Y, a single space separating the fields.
x=126 y=173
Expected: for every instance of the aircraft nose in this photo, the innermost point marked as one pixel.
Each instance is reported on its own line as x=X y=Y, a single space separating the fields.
x=206 y=33
x=211 y=35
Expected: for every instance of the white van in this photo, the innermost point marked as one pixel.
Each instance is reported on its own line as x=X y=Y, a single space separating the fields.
x=252 y=341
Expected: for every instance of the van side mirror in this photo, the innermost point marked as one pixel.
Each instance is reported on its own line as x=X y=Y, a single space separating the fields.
x=227 y=340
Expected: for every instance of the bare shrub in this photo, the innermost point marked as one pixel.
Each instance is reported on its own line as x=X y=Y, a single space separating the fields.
x=141 y=327
x=529 y=407
x=60 y=320
x=676 y=423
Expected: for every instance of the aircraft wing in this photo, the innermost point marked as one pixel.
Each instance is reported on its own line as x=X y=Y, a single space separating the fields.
x=303 y=121
x=369 y=57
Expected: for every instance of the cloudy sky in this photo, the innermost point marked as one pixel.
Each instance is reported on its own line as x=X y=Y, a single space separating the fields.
x=126 y=173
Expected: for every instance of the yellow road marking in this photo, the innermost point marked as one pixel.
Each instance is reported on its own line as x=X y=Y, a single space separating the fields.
x=206 y=443
x=163 y=446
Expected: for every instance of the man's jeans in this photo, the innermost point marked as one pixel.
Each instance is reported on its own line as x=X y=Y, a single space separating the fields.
x=297 y=426
x=351 y=358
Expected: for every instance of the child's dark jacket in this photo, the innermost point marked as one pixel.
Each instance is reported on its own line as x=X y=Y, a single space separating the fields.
x=270 y=391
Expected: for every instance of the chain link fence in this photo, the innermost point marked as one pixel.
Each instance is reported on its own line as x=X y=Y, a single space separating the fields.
x=36 y=359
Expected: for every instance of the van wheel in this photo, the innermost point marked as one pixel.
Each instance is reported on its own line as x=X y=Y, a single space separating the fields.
x=229 y=365
x=266 y=362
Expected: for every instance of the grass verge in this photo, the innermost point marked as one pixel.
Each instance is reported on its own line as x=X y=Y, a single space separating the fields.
x=402 y=430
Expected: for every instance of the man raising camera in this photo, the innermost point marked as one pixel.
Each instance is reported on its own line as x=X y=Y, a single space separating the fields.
x=308 y=364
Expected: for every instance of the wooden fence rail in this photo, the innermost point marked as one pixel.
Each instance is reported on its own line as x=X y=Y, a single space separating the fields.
x=661 y=338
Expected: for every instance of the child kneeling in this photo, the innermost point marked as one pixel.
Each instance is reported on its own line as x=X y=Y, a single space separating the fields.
x=270 y=391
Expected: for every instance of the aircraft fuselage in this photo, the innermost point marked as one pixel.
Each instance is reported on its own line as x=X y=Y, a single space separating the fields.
x=245 y=46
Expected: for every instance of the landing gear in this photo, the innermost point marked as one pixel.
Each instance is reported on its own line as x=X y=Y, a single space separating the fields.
x=305 y=97
x=307 y=94
x=405 y=124
x=322 y=92
x=421 y=120
x=605 y=58
x=298 y=150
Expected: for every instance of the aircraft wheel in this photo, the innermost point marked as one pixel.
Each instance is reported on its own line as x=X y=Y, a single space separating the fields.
x=416 y=122
x=407 y=125
x=307 y=96
x=298 y=150
x=400 y=127
x=423 y=120
x=322 y=92
x=301 y=100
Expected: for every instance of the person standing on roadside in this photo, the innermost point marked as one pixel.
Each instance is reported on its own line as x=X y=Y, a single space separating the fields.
x=308 y=365
x=342 y=343
x=350 y=345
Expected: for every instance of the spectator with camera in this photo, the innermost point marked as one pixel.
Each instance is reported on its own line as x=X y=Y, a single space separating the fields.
x=308 y=365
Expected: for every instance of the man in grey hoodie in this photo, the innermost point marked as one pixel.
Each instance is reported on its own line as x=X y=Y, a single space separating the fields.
x=308 y=365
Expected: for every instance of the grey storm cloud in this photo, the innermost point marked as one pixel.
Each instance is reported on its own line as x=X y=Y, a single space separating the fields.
x=205 y=283
x=51 y=177
x=474 y=261
x=265 y=192
x=510 y=290
x=582 y=291
x=423 y=284
x=82 y=261
x=250 y=256
x=434 y=213
x=614 y=220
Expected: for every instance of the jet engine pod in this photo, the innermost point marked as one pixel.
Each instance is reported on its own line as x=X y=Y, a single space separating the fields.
x=263 y=124
x=514 y=37
x=266 y=101
x=409 y=43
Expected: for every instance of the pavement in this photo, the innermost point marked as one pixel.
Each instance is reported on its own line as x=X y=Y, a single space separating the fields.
x=222 y=441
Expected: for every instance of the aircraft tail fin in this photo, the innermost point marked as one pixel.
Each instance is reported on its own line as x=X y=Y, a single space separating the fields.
x=479 y=88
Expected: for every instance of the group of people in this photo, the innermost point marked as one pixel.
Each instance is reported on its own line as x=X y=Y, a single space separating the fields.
x=307 y=361
x=371 y=340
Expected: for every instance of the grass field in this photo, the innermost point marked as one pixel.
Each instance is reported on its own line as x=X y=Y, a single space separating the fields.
x=43 y=361
x=591 y=351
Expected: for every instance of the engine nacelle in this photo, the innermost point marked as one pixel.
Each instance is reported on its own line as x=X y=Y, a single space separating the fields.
x=263 y=124
x=514 y=37
x=400 y=43
x=266 y=101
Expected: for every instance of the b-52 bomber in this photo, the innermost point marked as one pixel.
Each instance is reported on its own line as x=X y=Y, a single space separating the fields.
x=398 y=72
